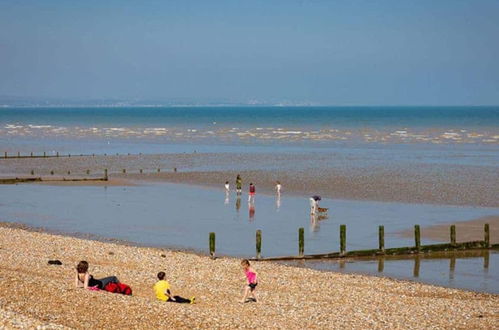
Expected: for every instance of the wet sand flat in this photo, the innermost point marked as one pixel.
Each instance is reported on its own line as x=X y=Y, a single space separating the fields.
x=466 y=231
x=43 y=294
x=299 y=174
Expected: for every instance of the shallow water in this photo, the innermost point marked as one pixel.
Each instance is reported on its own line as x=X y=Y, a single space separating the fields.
x=181 y=216
x=472 y=270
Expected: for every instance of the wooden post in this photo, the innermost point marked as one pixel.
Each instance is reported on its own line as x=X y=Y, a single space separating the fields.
x=212 y=245
x=124 y=171
x=69 y=172
x=18 y=154
x=140 y=171
x=417 y=237
x=175 y=169
x=105 y=175
x=486 y=235
x=44 y=154
x=5 y=154
x=301 y=242
x=52 y=172
x=453 y=234
x=32 y=172
x=258 y=244
x=382 y=238
x=57 y=154
x=343 y=239
x=88 y=172
x=159 y=170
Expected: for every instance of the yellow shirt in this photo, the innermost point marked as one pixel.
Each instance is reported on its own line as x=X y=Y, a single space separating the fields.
x=160 y=288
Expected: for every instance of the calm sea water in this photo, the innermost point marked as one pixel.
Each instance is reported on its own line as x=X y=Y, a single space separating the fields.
x=298 y=117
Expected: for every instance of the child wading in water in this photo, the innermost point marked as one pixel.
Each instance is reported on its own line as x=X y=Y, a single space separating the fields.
x=163 y=293
x=252 y=282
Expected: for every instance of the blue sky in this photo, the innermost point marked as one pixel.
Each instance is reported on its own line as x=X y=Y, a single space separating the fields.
x=443 y=52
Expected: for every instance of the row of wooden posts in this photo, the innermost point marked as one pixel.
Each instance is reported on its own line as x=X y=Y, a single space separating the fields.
x=45 y=155
x=485 y=244
x=124 y=171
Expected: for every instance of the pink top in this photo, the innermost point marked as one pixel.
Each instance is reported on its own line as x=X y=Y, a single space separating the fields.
x=251 y=276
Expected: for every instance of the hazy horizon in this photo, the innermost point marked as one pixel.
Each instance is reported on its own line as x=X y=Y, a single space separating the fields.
x=322 y=53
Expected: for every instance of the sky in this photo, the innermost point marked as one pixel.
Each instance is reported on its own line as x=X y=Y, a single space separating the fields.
x=399 y=52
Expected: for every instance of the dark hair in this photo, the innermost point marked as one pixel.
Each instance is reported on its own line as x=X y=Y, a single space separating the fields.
x=161 y=276
x=226 y=181
x=82 y=267
x=251 y=183
x=245 y=262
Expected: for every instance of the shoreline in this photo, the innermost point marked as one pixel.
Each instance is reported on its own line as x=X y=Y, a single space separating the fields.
x=366 y=301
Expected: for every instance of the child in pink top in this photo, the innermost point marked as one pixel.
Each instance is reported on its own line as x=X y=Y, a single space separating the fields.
x=252 y=282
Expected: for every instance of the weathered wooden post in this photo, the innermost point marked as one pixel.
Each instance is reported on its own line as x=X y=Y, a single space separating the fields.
x=453 y=235
x=106 y=178
x=486 y=235
x=417 y=237
x=381 y=238
x=258 y=244
x=69 y=172
x=88 y=172
x=140 y=171
x=52 y=172
x=343 y=239
x=124 y=171
x=301 y=242
x=32 y=172
x=212 y=245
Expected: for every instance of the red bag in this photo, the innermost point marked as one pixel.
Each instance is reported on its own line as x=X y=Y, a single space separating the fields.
x=118 y=288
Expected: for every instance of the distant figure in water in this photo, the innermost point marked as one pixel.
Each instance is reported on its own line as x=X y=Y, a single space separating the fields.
x=239 y=184
x=83 y=279
x=278 y=187
x=227 y=186
x=313 y=206
x=252 y=191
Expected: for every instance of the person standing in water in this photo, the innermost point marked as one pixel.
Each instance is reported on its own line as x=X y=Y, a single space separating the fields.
x=278 y=187
x=227 y=187
x=239 y=184
x=252 y=191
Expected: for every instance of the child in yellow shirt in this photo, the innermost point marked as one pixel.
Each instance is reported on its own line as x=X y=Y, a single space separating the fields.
x=163 y=293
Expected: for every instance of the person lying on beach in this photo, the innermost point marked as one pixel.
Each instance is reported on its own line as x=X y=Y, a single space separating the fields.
x=252 y=282
x=83 y=279
x=163 y=293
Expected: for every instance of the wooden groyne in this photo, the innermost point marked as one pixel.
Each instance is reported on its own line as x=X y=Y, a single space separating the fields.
x=416 y=249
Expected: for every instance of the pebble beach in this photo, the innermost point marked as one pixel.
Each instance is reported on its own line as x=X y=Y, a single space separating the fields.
x=36 y=294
